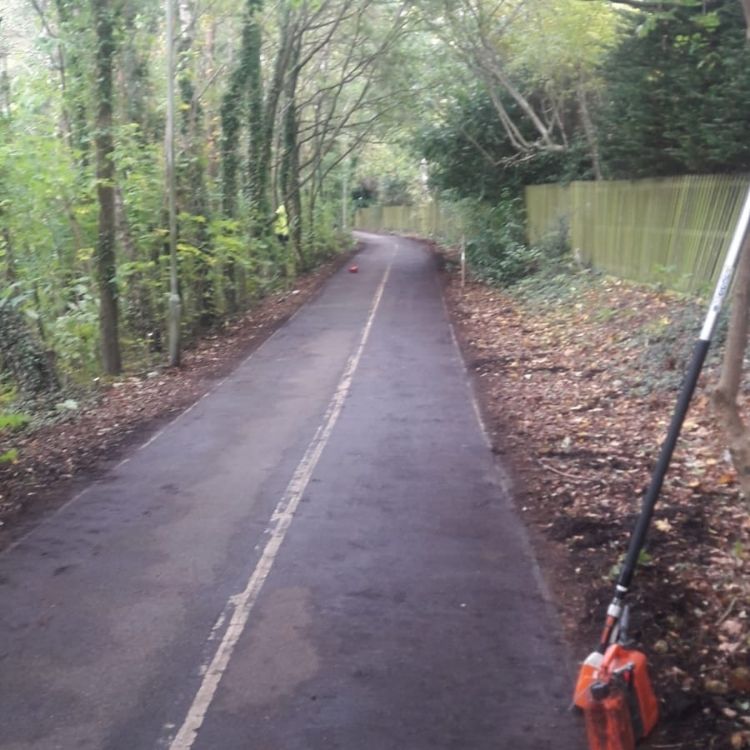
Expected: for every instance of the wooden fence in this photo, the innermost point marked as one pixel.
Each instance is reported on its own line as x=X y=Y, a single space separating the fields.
x=672 y=230
x=442 y=221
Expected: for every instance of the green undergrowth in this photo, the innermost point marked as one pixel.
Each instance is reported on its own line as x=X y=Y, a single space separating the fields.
x=663 y=341
x=557 y=282
x=496 y=249
x=11 y=421
x=79 y=390
x=546 y=278
x=666 y=343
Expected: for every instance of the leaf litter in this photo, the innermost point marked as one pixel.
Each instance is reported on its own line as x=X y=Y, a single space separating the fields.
x=577 y=381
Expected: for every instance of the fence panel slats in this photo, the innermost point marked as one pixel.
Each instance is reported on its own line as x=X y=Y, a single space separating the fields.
x=668 y=230
x=442 y=221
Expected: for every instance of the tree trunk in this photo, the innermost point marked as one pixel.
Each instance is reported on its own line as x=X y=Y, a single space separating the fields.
x=275 y=90
x=231 y=106
x=245 y=77
x=192 y=188
x=134 y=72
x=746 y=10
x=22 y=355
x=725 y=395
x=230 y=127
x=290 y=161
x=589 y=131
x=73 y=31
x=255 y=114
x=103 y=15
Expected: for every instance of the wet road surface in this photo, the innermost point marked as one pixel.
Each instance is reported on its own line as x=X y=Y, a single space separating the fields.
x=320 y=554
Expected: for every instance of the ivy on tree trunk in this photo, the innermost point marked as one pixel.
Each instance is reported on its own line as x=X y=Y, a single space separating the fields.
x=245 y=84
x=103 y=15
x=73 y=38
x=22 y=356
x=191 y=173
x=290 y=177
x=255 y=114
x=287 y=34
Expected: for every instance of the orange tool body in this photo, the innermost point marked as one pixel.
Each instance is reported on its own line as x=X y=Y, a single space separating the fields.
x=618 y=694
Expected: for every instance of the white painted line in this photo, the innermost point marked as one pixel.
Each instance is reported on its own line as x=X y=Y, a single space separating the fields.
x=241 y=604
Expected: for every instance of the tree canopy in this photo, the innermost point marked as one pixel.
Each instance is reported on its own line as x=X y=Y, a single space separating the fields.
x=319 y=105
x=588 y=90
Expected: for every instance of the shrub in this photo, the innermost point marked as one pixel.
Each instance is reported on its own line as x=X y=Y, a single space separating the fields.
x=497 y=251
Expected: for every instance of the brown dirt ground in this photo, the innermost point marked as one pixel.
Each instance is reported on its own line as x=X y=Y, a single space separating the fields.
x=59 y=458
x=575 y=397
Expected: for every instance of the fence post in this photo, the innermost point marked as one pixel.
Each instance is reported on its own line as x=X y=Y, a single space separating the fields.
x=463 y=262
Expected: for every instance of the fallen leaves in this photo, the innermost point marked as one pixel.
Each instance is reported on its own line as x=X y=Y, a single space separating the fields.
x=578 y=393
x=661 y=524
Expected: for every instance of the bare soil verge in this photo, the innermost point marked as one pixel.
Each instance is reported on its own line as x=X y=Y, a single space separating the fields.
x=577 y=384
x=57 y=459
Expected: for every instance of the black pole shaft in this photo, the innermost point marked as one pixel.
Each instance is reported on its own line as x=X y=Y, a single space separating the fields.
x=638 y=537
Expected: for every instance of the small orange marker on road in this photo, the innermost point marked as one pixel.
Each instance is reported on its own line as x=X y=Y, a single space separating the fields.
x=353 y=269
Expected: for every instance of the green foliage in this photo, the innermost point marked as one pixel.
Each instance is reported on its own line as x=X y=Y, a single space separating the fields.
x=230 y=246
x=667 y=94
x=556 y=43
x=665 y=345
x=50 y=214
x=645 y=559
x=9 y=457
x=387 y=173
x=557 y=280
x=13 y=420
x=673 y=96
x=327 y=238
x=395 y=191
x=74 y=334
x=496 y=250
x=470 y=154
x=677 y=94
x=228 y=153
x=555 y=244
x=21 y=354
x=9 y=422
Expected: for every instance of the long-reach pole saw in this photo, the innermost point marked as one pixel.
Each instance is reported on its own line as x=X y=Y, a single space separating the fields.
x=612 y=661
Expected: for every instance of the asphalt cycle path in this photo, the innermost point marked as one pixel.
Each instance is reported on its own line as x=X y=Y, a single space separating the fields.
x=320 y=554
